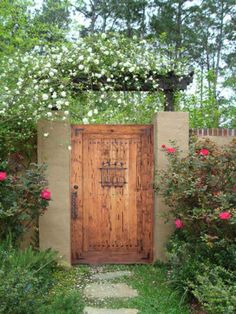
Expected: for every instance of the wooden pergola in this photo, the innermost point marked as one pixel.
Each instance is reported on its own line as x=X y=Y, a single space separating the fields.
x=168 y=84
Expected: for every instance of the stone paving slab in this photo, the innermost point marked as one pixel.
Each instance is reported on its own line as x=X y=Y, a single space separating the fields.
x=108 y=290
x=111 y=275
x=93 y=310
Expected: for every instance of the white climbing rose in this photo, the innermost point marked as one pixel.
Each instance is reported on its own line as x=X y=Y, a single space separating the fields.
x=85 y=120
x=45 y=97
x=90 y=113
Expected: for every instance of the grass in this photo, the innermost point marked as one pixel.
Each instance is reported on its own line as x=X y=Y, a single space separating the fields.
x=155 y=294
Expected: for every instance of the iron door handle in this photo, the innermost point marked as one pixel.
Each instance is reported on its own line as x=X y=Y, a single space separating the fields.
x=74 y=202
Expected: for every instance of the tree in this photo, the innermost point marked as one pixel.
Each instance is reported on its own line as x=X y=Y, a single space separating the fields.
x=124 y=16
x=51 y=23
x=23 y=28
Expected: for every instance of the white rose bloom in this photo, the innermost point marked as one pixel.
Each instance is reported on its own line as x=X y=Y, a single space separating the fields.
x=51 y=73
x=81 y=58
x=90 y=113
x=54 y=95
x=45 y=97
x=85 y=120
x=81 y=67
x=63 y=94
x=103 y=35
x=45 y=134
x=66 y=112
x=95 y=111
x=49 y=114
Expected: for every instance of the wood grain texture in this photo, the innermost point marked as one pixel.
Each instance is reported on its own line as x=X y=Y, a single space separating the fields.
x=113 y=168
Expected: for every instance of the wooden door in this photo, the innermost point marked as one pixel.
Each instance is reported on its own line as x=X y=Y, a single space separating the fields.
x=112 y=195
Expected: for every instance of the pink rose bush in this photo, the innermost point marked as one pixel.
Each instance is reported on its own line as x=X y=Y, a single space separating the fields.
x=3 y=175
x=169 y=150
x=201 y=190
x=204 y=152
x=179 y=224
x=225 y=215
x=23 y=198
x=46 y=194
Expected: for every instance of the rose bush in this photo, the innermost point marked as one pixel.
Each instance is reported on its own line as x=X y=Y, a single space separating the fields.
x=23 y=198
x=200 y=191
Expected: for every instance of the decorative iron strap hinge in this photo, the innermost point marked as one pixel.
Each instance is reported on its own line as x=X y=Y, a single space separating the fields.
x=74 y=205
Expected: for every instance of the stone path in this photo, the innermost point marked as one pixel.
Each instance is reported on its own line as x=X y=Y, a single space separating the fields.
x=104 y=290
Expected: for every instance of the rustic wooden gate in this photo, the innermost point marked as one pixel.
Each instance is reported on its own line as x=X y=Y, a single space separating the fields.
x=112 y=195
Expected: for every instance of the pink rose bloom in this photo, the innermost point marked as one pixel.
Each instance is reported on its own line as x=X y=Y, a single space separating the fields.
x=171 y=150
x=163 y=146
x=179 y=224
x=3 y=175
x=45 y=194
x=225 y=215
x=204 y=152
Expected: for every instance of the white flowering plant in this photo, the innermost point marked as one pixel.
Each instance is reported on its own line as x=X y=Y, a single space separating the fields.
x=64 y=78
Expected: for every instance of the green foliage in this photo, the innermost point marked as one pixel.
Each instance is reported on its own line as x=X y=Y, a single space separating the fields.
x=25 y=278
x=200 y=189
x=65 y=303
x=22 y=27
x=215 y=288
x=20 y=201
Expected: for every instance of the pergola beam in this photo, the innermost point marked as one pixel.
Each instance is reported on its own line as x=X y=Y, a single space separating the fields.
x=168 y=84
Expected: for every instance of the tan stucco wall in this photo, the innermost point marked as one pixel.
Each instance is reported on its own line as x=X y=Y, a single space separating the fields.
x=168 y=126
x=54 y=150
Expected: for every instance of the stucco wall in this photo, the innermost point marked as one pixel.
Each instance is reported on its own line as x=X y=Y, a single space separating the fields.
x=168 y=126
x=53 y=149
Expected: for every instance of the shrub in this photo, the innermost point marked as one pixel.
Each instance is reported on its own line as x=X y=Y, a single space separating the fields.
x=200 y=190
x=65 y=304
x=215 y=288
x=23 y=198
x=25 y=278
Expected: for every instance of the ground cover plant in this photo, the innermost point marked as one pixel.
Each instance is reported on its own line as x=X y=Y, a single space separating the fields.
x=33 y=282
x=200 y=190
